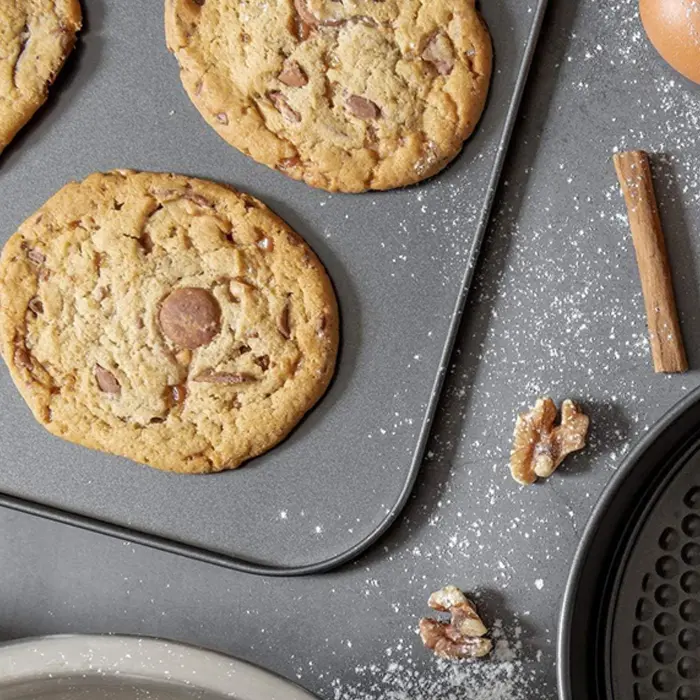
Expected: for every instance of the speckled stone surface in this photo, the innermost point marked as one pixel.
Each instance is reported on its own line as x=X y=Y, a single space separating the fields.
x=556 y=309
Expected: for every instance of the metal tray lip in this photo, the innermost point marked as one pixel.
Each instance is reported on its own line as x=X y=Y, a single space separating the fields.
x=245 y=566
x=598 y=513
x=153 y=647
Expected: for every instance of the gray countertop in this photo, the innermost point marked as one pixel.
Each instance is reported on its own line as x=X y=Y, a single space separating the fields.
x=556 y=310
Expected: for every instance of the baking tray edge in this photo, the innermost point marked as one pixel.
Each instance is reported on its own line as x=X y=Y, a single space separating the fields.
x=197 y=553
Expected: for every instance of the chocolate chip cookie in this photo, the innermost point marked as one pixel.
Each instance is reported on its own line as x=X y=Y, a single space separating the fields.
x=170 y=320
x=36 y=36
x=346 y=95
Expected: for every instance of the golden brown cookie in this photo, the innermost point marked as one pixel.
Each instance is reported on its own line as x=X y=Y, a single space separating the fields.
x=346 y=95
x=170 y=320
x=36 y=37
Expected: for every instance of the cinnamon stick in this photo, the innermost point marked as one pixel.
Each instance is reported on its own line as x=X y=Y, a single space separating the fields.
x=667 y=348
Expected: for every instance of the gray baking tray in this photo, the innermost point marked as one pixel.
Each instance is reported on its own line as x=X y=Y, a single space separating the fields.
x=401 y=262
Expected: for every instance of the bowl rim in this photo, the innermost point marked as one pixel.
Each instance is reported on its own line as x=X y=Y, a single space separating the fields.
x=141 y=658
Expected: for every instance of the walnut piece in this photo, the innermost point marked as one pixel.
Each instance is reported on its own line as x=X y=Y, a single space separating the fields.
x=462 y=637
x=540 y=446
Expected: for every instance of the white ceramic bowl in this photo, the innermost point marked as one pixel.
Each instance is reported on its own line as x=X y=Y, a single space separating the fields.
x=86 y=667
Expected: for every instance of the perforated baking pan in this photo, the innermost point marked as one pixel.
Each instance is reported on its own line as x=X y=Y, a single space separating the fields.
x=630 y=621
x=401 y=262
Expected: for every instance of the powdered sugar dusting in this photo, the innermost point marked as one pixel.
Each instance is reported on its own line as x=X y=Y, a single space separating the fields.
x=499 y=678
x=556 y=310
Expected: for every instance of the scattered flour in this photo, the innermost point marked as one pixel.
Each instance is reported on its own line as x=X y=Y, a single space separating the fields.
x=555 y=309
x=500 y=677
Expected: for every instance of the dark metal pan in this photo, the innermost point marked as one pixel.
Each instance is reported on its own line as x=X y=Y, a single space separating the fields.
x=630 y=621
x=401 y=261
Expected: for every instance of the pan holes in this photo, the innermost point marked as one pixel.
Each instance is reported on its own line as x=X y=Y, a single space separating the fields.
x=685 y=692
x=645 y=609
x=665 y=624
x=669 y=539
x=641 y=693
x=690 y=610
x=641 y=665
x=691 y=554
x=691 y=525
x=689 y=640
x=667 y=567
x=692 y=498
x=666 y=596
x=664 y=681
x=690 y=582
x=665 y=652
x=689 y=667
x=642 y=637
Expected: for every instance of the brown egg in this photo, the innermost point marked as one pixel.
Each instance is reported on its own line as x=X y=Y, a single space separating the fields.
x=673 y=26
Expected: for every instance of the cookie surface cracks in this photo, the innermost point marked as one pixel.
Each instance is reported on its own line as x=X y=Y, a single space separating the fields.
x=170 y=320
x=349 y=96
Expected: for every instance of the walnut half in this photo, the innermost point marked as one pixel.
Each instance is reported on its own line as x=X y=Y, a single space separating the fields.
x=540 y=446
x=460 y=638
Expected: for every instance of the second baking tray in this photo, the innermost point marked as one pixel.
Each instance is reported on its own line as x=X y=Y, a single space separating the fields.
x=401 y=262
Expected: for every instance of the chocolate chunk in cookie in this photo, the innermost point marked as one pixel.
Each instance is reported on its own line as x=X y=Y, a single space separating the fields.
x=347 y=96
x=190 y=317
x=107 y=381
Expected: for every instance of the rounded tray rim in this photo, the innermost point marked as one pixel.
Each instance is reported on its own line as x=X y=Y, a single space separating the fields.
x=602 y=507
